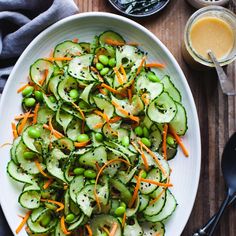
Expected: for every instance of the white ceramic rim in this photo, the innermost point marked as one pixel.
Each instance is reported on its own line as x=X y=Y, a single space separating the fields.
x=162 y=46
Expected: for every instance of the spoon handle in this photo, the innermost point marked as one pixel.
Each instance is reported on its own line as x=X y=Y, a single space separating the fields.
x=225 y=83
x=206 y=228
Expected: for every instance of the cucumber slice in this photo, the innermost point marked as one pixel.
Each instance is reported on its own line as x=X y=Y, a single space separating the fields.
x=170 y=88
x=85 y=95
x=85 y=47
x=146 y=188
x=156 y=139
x=30 y=199
x=156 y=207
x=92 y=120
x=179 y=123
x=104 y=105
x=144 y=201
x=37 y=213
x=105 y=50
x=76 y=224
x=63 y=118
x=13 y=150
x=67 y=49
x=71 y=110
x=79 y=67
x=66 y=145
x=51 y=105
x=130 y=212
x=110 y=131
x=75 y=187
x=120 y=148
x=44 y=114
x=16 y=173
x=53 y=83
x=125 y=177
x=122 y=133
x=58 y=231
x=143 y=84
x=65 y=86
x=110 y=35
x=96 y=155
x=167 y=210
x=162 y=109
x=74 y=129
x=37 y=71
x=150 y=229
x=133 y=230
x=103 y=221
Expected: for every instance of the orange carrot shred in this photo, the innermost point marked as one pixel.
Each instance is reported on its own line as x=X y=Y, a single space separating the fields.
x=123 y=73
x=179 y=141
x=150 y=181
x=113 y=229
x=22 y=88
x=19 y=117
x=115 y=119
x=80 y=145
x=111 y=89
x=118 y=75
x=141 y=65
x=45 y=75
x=59 y=58
x=130 y=95
x=24 y=220
x=54 y=132
x=90 y=232
x=47 y=183
x=136 y=189
x=105 y=230
x=63 y=226
x=97 y=72
x=164 y=135
x=123 y=220
x=145 y=99
x=102 y=91
x=155 y=65
x=23 y=123
x=61 y=205
x=114 y=42
x=98 y=125
x=79 y=109
x=14 y=131
x=40 y=169
x=158 y=197
x=75 y=40
x=36 y=113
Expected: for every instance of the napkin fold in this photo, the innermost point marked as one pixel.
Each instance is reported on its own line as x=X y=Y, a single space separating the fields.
x=21 y=21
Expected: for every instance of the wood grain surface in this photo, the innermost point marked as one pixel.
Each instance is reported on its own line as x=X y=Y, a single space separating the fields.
x=217 y=113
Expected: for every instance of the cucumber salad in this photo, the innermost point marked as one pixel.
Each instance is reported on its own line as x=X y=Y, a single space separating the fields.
x=93 y=143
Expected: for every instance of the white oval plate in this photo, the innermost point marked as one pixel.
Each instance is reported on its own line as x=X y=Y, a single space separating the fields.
x=186 y=171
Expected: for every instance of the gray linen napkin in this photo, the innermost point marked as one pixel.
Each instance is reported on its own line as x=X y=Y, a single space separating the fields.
x=21 y=21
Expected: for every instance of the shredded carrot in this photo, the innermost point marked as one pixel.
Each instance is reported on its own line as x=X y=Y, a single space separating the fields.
x=75 y=40
x=123 y=73
x=23 y=123
x=158 y=197
x=158 y=234
x=115 y=119
x=105 y=230
x=123 y=220
x=118 y=43
x=21 y=225
x=156 y=65
x=130 y=95
x=41 y=169
x=102 y=91
x=145 y=99
x=55 y=132
x=22 y=217
x=22 y=88
x=19 y=117
x=80 y=145
x=136 y=189
x=63 y=226
x=59 y=58
x=98 y=125
x=111 y=89
x=97 y=166
x=113 y=229
x=153 y=156
x=51 y=52
x=61 y=205
x=14 y=131
x=47 y=183
x=132 y=117
x=179 y=141
x=90 y=232
x=164 y=135
x=45 y=75
x=36 y=113
x=141 y=65
x=150 y=181
x=118 y=75
x=98 y=175
x=97 y=72
x=79 y=109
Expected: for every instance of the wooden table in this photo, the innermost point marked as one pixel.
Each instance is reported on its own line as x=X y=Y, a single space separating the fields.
x=217 y=113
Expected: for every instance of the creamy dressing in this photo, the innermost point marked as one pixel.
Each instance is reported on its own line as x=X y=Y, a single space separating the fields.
x=212 y=33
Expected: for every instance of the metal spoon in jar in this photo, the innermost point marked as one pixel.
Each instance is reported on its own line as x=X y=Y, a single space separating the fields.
x=228 y=166
x=225 y=83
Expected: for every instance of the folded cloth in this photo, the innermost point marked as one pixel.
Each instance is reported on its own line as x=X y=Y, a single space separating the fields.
x=21 y=21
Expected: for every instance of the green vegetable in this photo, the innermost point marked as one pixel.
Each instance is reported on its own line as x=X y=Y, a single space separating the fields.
x=103 y=59
x=70 y=217
x=83 y=138
x=29 y=155
x=146 y=132
x=29 y=102
x=125 y=141
x=78 y=171
x=120 y=211
x=151 y=76
x=143 y=174
x=83 y=105
x=99 y=66
x=45 y=220
x=28 y=91
x=38 y=95
x=138 y=131
x=90 y=174
x=104 y=71
x=170 y=140
x=146 y=142
x=74 y=93
x=99 y=137
x=34 y=132
x=112 y=62
x=52 y=99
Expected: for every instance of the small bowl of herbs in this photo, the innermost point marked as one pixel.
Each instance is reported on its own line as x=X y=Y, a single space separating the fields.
x=139 y=8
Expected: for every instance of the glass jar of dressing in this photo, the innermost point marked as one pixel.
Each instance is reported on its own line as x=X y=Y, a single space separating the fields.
x=210 y=28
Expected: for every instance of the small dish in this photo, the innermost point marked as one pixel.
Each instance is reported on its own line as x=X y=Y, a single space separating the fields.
x=154 y=7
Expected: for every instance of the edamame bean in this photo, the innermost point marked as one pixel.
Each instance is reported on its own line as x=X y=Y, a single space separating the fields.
x=45 y=220
x=145 y=132
x=74 y=93
x=90 y=174
x=99 y=137
x=151 y=76
x=29 y=155
x=34 y=132
x=170 y=140
x=138 y=131
x=70 y=217
x=125 y=141
x=52 y=99
x=112 y=62
x=120 y=211
x=104 y=71
x=83 y=138
x=78 y=171
x=122 y=204
x=38 y=95
x=29 y=102
x=103 y=59
x=27 y=91
x=143 y=174
x=99 y=66
x=92 y=181
x=146 y=142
